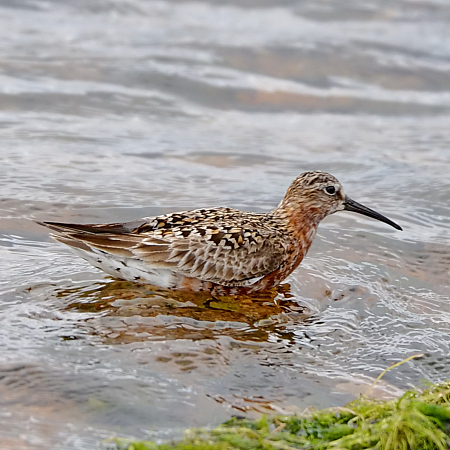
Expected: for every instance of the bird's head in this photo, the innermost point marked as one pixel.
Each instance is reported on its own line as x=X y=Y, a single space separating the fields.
x=317 y=194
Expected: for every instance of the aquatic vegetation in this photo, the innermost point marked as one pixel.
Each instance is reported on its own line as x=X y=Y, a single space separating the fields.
x=417 y=420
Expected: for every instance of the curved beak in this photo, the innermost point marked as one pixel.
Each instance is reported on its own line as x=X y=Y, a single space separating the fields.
x=351 y=205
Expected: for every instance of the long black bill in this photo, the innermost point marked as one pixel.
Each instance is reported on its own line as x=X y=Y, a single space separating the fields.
x=351 y=205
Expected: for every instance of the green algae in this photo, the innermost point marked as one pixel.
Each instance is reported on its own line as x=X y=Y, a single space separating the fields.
x=417 y=420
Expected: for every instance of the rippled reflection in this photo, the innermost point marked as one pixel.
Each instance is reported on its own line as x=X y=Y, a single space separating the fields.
x=149 y=312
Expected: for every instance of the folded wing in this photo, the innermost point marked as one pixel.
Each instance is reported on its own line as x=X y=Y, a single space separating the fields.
x=199 y=244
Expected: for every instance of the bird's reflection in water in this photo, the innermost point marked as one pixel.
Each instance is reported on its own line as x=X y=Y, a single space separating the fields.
x=149 y=312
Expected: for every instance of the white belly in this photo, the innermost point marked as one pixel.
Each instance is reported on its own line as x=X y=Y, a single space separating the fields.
x=129 y=268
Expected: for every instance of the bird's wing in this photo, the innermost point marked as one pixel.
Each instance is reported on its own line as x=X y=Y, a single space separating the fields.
x=211 y=245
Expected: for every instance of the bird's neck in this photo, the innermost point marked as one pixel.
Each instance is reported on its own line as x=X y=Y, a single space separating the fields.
x=301 y=216
x=301 y=225
x=301 y=220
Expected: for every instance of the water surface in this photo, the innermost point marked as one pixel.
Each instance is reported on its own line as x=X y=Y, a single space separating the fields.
x=114 y=110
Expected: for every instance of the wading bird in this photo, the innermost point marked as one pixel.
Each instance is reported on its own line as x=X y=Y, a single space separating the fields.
x=220 y=250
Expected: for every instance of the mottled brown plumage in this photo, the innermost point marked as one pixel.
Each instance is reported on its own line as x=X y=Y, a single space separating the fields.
x=221 y=250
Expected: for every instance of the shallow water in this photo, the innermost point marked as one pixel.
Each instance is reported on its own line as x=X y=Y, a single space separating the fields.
x=114 y=110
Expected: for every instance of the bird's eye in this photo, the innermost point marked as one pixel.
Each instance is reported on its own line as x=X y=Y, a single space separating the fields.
x=331 y=190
